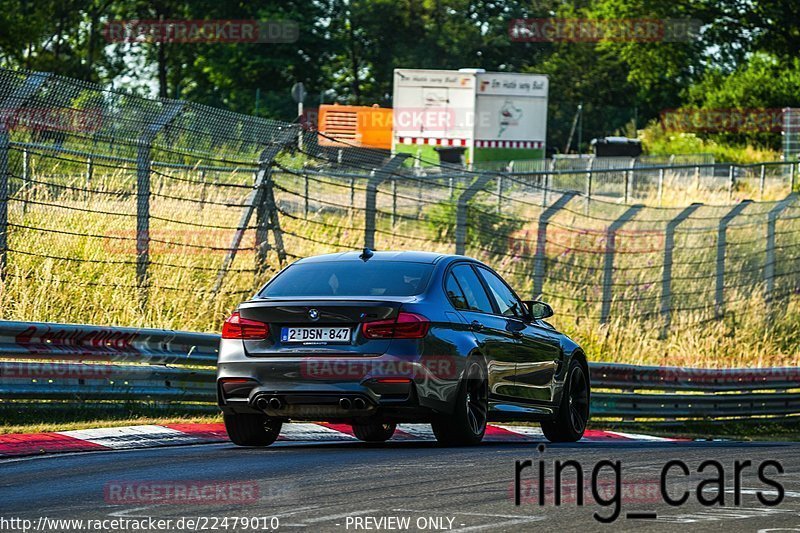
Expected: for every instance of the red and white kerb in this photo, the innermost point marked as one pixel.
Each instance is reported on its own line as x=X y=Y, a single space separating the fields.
x=509 y=144
x=434 y=141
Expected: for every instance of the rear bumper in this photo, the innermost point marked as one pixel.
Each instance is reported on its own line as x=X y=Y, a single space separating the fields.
x=334 y=388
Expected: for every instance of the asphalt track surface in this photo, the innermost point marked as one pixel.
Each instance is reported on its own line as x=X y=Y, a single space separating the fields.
x=341 y=486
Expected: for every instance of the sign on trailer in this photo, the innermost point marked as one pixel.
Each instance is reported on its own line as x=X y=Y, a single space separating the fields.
x=493 y=116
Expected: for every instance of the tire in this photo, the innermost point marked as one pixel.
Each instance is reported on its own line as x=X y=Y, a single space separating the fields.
x=252 y=430
x=573 y=413
x=374 y=432
x=467 y=425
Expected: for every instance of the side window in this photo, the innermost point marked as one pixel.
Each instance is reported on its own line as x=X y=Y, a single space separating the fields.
x=477 y=299
x=509 y=304
x=455 y=293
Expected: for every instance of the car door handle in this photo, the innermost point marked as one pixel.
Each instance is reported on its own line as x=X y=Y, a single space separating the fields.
x=476 y=326
x=517 y=334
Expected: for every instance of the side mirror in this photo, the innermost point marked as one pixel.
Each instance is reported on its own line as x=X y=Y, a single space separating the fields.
x=539 y=310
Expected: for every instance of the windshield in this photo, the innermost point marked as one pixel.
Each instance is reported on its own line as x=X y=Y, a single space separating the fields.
x=376 y=278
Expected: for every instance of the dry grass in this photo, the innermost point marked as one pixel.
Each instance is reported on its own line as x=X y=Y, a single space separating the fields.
x=100 y=288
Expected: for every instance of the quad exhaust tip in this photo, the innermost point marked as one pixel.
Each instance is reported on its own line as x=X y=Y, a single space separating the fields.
x=359 y=403
x=345 y=403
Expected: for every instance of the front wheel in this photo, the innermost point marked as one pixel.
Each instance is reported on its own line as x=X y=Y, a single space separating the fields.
x=467 y=425
x=252 y=430
x=374 y=432
x=573 y=413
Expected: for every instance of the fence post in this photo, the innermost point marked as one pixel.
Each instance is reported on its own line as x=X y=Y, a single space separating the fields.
x=608 y=263
x=666 y=280
x=589 y=178
x=267 y=220
x=722 y=231
x=769 y=263
x=261 y=190
x=394 y=201
x=202 y=188
x=352 y=194
x=376 y=177
x=461 y=210
x=499 y=194
x=791 y=176
x=629 y=180
x=548 y=180
x=539 y=257
x=9 y=106
x=305 y=195
x=731 y=180
x=762 y=181
x=660 y=185
x=89 y=171
x=25 y=180
x=143 y=164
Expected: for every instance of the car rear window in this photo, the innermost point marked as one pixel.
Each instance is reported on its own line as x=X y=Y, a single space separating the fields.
x=350 y=278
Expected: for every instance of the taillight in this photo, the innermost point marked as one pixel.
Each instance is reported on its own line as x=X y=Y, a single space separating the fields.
x=237 y=327
x=405 y=326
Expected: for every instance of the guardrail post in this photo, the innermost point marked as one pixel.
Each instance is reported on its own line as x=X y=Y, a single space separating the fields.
x=608 y=259
x=261 y=196
x=666 y=280
x=722 y=231
x=540 y=256
x=762 y=181
x=9 y=107
x=143 y=164
x=461 y=210
x=660 y=185
x=376 y=177
x=769 y=263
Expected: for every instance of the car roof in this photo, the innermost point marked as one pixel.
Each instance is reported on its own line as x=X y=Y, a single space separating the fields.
x=397 y=256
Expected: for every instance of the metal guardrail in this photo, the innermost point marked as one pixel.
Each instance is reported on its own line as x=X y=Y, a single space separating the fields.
x=45 y=362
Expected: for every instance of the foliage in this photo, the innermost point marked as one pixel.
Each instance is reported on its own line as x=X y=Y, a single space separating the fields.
x=660 y=142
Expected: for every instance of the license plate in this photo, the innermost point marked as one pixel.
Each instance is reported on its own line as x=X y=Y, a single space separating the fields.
x=320 y=335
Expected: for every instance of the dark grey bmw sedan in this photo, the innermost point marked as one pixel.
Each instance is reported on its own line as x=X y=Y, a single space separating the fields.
x=372 y=339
